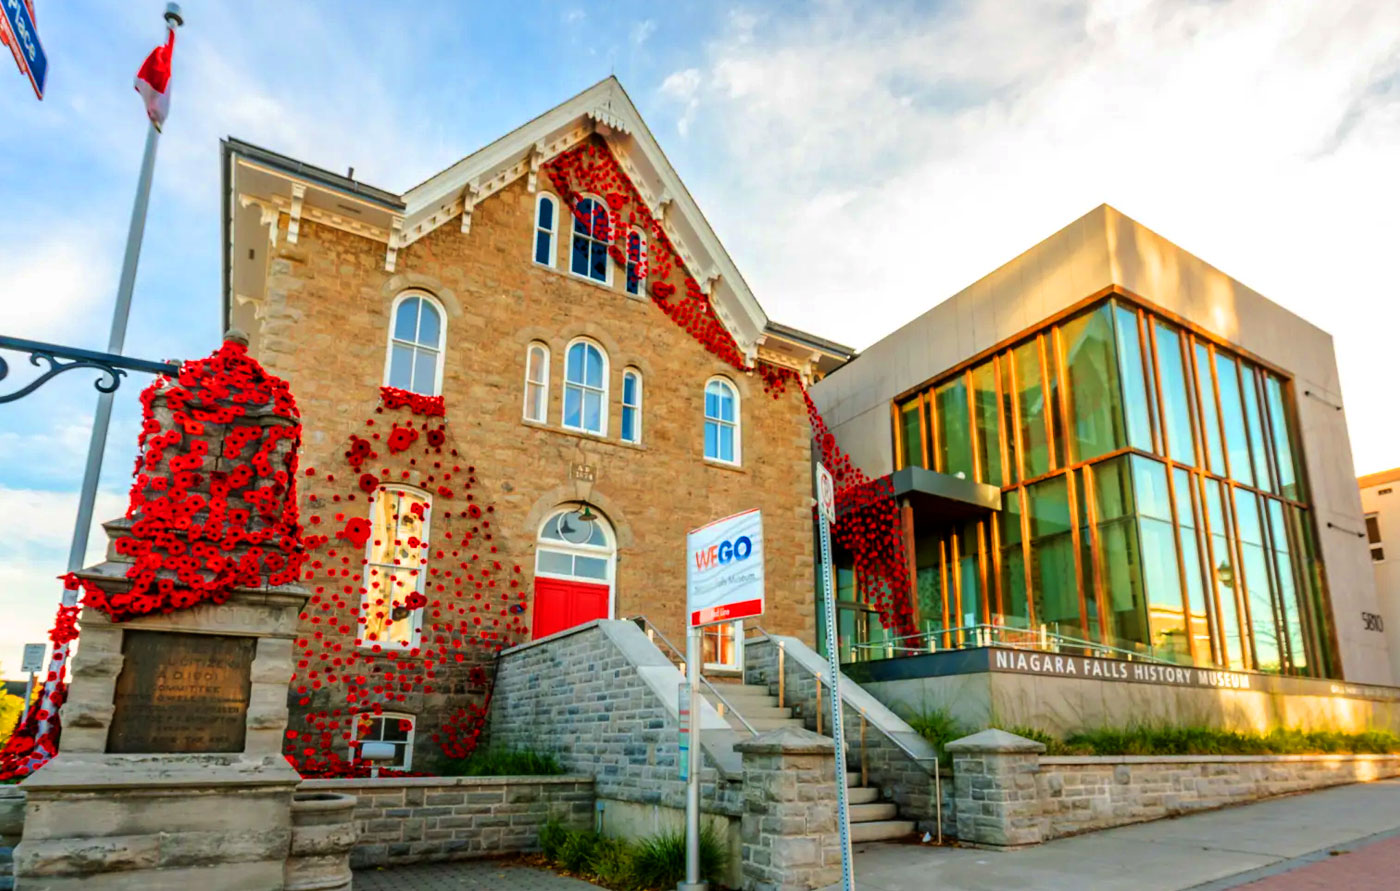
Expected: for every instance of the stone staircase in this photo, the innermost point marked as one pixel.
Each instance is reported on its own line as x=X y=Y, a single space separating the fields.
x=871 y=818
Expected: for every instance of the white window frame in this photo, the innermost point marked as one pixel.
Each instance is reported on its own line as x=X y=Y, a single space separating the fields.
x=414 y=345
x=607 y=255
x=737 y=423
x=609 y=553
x=640 y=265
x=634 y=407
x=584 y=388
x=738 y=665
x=552 y=233
x=367 y=598
x=542 y=383
x=407 y=743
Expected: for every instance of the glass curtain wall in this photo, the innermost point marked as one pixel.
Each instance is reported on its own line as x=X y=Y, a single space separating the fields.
x=1153 y=497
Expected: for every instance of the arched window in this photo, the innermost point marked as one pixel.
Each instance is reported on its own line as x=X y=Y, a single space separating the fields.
x=536 y=382
x=636 y=261
x=545 y=223
x=721 y=421
x=586 y=388
x=591 y=239
x=631 y=405
x=414 y=361
x=394 y=728
x=574 y=561
x=396 y=559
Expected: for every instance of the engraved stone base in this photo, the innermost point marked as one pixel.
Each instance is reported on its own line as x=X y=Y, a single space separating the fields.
x=157 y=822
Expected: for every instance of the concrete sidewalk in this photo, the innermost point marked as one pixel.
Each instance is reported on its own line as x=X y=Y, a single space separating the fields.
x=1220 y=849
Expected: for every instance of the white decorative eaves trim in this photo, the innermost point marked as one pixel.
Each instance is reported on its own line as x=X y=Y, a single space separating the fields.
x=294 y=215
x=606 y=117
x=267 y=215
x=470 y=196
x=280 y=204
x=391 y=253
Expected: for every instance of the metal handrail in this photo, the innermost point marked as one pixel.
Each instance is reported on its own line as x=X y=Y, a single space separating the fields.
x=864 y=770
x=983 y=635
x=651 y=629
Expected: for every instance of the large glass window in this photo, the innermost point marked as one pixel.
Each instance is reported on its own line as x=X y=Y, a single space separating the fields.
x=415 y=345
x=1233 y=419
x=544 y=229
x=1176 y=395
x=586 y=388
x=591 y=239
x=721 y=421
x=393 y=728
x=1030 y=398
x=954 y=440
x=631 y=405
x=1153 y=521
x=536 y=382
x=911 y=436
x=986 y=409
x=1167 y=631
x=1138 y=395
x=1054 y=587
x=636 y=262
x=1096 y=405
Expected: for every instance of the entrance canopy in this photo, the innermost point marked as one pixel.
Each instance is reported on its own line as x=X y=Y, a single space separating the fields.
x=940 y=496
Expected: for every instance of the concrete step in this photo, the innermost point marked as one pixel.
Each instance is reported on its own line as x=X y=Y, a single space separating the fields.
x=852 y=779
x=740 y=691
x=862 y=794
x=883 y=830
x=755 y=712
x=762 y=725
x=873 y=812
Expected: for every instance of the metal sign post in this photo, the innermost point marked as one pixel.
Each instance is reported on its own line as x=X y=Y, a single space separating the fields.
x=826 y=515
x=692 y=780
x=33 y=661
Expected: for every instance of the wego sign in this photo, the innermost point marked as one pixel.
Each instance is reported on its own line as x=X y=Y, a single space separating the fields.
x=724 y=575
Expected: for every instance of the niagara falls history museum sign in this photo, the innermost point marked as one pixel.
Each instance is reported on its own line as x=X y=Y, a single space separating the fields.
x=1059 y=665
x=724 y=572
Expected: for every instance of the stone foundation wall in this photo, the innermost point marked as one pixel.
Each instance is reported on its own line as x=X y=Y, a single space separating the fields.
x=603 y=699
x=414 y=819
x=1010 y=795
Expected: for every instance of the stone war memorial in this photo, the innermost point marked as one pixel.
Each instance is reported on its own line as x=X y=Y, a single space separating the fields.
x=171 y=772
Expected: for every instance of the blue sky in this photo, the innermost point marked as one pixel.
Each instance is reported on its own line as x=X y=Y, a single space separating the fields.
x=890 y=153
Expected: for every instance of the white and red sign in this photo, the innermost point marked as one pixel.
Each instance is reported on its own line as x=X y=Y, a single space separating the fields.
x=724 y=570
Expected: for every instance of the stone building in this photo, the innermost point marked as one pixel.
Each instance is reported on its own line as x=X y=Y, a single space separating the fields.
x=1381 y=509
x=607 y=381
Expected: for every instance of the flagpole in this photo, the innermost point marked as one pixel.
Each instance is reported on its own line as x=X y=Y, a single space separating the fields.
x=97 y=444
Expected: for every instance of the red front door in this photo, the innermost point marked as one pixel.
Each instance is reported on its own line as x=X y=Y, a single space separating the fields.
x=561 y=604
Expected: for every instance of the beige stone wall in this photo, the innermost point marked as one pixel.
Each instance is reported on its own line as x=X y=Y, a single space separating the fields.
x=1104 y=248
x=324 y=329
x=418 y=819
x=1386 y=572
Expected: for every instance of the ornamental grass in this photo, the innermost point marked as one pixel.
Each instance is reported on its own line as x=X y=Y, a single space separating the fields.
x=651 y=864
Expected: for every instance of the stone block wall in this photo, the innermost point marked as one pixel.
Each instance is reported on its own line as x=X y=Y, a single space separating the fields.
x=413 y=819
x=907 y=782
x=1010 y=795
x=789 y=830
x=603 y=700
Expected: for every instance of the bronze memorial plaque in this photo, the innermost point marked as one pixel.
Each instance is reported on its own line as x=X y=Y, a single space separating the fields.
x=181 y=693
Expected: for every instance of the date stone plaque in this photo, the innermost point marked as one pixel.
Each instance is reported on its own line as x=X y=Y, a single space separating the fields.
x=181 y=693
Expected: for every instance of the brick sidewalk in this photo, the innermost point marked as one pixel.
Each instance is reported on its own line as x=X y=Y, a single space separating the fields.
x=468 y=875
x=1375 y=866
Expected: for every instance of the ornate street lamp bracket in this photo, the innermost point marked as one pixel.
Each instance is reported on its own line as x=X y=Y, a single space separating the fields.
x=111 y=367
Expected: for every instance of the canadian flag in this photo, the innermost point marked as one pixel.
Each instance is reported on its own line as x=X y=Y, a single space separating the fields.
x=153 y=81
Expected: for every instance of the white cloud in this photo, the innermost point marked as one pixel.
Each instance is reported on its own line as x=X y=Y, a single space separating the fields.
x=643 y=30
x=900 y=154
x=51 y=289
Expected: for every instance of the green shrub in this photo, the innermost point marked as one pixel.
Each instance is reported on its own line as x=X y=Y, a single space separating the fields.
x=659 y=861
x=612 y=863
x=552 y=836
x=939 y=728
x=1147 y=739
x=576 y=853
x=505 y=763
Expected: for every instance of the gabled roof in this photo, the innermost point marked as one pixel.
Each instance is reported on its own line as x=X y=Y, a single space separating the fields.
x=260 y=185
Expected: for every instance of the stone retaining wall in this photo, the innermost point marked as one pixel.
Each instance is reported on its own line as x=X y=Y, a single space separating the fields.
x=1009 y=795
x=603 y=700
x=413 y=819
